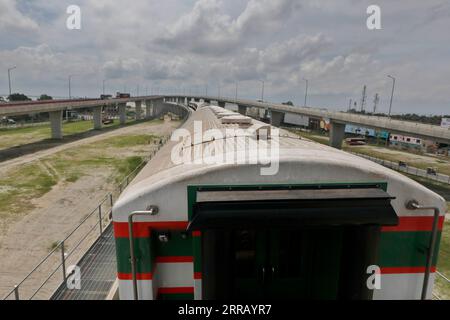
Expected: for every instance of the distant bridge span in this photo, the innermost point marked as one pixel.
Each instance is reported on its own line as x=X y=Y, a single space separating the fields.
x=338 y=119
x=155 y=104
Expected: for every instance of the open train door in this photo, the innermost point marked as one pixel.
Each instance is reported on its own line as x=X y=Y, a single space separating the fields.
x=296 y=242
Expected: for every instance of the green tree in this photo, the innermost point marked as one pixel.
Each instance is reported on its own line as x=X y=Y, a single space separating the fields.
x=45 y=97
x=18 y=97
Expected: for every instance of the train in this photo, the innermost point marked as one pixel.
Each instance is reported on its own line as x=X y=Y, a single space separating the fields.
x=233 y=208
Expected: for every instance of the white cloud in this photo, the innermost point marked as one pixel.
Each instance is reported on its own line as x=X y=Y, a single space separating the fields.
x=13 y=21
x=176 y=43
x=206 y=29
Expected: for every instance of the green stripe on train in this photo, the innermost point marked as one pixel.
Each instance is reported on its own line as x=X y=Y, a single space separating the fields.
x=396 y=249
x=146 y=249
x=405 y=249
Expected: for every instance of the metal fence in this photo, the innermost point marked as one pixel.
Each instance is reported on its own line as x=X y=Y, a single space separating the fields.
x=45 y=278
x=438 y=177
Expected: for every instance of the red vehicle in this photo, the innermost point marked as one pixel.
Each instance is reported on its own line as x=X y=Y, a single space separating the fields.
x=355 y=141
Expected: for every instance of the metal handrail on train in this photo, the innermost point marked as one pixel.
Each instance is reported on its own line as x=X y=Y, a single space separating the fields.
x=151 y=211
x=414 y=205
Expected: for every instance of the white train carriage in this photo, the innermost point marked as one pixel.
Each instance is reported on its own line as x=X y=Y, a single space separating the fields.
x=232 y=208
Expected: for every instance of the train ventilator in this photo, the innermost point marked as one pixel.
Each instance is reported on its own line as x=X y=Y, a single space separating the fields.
x=324 y=225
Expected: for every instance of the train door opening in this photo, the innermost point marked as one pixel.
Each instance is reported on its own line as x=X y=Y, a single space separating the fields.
x=274 y=264
x=289 y=244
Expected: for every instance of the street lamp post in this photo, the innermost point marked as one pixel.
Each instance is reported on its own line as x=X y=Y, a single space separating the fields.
x=9 y=78
x=262 y=90
x=306 y=90
x=104 y=80
x=392 y=94
x=70 y=86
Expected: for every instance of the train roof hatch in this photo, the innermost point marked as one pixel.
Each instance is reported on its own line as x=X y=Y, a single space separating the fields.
x=292 y=208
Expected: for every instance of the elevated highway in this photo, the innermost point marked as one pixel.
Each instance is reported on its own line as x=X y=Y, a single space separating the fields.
x=155 y=104
x=338 y=119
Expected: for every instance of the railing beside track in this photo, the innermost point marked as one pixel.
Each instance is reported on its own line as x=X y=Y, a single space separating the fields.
x=405 y=168
x=44 y=279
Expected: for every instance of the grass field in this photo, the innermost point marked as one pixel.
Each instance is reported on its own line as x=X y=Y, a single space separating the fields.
x=33 y=180
x=15 y=137
x=381 y=152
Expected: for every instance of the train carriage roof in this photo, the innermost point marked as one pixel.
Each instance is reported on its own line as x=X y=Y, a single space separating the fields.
x=300 y=160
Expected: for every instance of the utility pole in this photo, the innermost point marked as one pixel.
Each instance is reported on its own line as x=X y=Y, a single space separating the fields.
x=306 y=91
x=376 y=100
x=206 y=90
x=236 y=93
x=9 y=78
x=349 y=105
x=363 y=98
x=392 y=94
x=218 y=87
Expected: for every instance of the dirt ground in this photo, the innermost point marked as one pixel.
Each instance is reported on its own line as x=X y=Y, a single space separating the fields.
x=28 y=238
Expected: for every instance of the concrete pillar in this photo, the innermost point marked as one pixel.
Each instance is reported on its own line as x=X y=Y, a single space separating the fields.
x=97 y=117
x=221 y=104
x=122 y=113
x=242 y=110
x=138 y=110
x=276 y=118
x=56 y=124
x=148 y=109
x=337 y=134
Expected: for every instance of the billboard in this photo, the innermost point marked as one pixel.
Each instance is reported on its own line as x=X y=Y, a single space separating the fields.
x=445 y=123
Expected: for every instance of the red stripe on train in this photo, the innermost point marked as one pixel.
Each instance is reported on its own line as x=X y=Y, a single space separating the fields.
x=414 y=224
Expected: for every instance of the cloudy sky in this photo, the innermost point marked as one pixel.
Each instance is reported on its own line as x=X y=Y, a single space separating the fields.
x=186 y=45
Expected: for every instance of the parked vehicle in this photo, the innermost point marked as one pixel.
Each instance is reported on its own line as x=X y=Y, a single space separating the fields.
x=355 y=141
x=123 y=95
x=402 y=164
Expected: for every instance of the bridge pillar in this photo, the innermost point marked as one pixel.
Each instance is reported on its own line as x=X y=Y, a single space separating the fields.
x=138 y=110
x=148 y=109
x=56 y=124
x=242 y=110
x=97 y=111
x=122 y=113
x=276 y=118
x=157 y=107
x=337 y=134
x=221 y=104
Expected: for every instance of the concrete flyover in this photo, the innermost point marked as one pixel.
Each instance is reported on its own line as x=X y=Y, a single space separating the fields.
x=155 y=106
x=338 y=120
